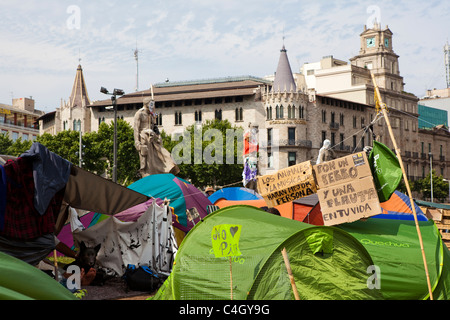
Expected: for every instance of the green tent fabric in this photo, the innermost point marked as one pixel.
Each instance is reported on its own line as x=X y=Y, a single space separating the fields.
x=386 y=170
x=394 y=246
x=21 y=281
x=327 y=263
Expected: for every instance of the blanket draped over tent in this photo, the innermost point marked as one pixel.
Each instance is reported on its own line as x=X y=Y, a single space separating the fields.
x=146 y=239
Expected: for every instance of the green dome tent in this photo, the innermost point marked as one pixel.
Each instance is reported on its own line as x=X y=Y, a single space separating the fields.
x=326 y=262
x=394 y=246
x=21 y=281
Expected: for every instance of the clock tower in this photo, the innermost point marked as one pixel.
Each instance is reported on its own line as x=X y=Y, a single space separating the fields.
x=377 y=54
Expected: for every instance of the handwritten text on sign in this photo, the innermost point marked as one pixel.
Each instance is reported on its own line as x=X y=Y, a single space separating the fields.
x=287 y=184
x=225 y=240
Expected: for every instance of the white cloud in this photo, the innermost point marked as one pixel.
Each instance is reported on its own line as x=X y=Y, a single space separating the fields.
x=203 y=39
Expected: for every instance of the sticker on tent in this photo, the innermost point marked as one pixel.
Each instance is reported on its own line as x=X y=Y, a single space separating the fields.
x=225 y=240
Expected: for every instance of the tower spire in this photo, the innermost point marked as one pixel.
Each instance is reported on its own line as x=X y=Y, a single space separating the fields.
x=284 y=78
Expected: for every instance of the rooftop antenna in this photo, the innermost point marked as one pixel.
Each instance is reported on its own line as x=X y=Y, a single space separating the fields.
x=136 y=57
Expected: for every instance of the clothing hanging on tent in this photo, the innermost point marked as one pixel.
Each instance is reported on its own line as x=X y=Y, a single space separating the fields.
x=50 y=174
x=22 y=220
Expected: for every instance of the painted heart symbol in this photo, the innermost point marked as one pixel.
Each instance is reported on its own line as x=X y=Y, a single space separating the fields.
x=233 y=230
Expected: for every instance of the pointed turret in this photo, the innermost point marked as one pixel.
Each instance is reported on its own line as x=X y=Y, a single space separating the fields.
x=284 y=80
x=79 y=96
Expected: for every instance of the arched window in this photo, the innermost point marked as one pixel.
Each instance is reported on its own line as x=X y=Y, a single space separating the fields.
x=281 y=112
x=277 y=112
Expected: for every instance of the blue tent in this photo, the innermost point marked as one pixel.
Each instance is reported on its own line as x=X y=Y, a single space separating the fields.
x=182 y=196
x=398 y=207
x=234 y=194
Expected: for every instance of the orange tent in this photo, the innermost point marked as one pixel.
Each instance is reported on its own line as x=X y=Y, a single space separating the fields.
x=290 y=210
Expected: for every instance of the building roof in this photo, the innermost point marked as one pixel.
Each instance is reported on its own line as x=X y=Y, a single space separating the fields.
x=79 y=96
x=284 y=80
x=214 y=88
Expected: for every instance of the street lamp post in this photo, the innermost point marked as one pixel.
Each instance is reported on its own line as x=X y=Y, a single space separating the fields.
x=431 y=174
x=116 y=92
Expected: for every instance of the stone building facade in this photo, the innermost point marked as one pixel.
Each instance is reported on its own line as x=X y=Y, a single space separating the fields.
x=294 y=112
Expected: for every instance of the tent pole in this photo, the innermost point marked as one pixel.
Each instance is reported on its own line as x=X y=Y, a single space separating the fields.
x=291 y=276
x=405 y=178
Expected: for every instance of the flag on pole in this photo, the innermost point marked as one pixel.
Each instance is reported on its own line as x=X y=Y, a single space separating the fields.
x=386 y=170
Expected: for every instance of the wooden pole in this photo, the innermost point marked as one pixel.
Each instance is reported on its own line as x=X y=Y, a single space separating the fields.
x=291 y=276
x=405 y=178
x=231 y=281
x=55 y=263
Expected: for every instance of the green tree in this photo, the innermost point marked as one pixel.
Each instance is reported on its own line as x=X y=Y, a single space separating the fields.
x=18 y=147
x=204 y=153
x=440 y=187
x=98 y=149
x=5 y=143
x=101 y=147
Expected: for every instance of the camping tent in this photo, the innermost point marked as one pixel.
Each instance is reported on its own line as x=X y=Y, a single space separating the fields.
x=398 y=207
x=394 y=248
x=234 y=193
x=296 y=210
x=21 y=281
x=327 y=263
x=182 y=195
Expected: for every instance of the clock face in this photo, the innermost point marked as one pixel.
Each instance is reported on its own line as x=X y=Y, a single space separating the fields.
x=386 y=43
x=370 y=42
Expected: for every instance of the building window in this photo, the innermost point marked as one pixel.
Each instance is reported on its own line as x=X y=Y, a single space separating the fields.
x=291 y=136
x=341 y=144
x=354 y=142
x=239 y=114
x=159 y=119
x=277 y=112
x=269 y=137
x=324 y=116
x=178 y=118
x=25 y=136
x=292 y=159
x=301 y=112
x=333 y=139
x=291 y=112
x=341 y=119
x=324 y=136
x=218 y=114
x=198 y=116
x=269 y=113
x=281 y=112
x=14 y=136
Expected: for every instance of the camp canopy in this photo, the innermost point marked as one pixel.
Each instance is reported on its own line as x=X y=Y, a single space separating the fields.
x=327 y=263
x=394 y=247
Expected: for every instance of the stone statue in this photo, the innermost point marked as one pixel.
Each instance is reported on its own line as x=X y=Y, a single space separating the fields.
x=325 y=153
x=154 y=158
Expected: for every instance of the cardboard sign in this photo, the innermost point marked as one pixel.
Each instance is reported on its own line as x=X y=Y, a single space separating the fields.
x=349 y=201
x=341 y=170
x=225 y=240
x=287 y=185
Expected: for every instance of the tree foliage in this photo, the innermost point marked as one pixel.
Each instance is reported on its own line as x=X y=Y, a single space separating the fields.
x=201 y=154
x=440 y=187
x=98 y=150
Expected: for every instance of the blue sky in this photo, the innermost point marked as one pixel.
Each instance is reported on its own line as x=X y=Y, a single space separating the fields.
x=41 y=42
